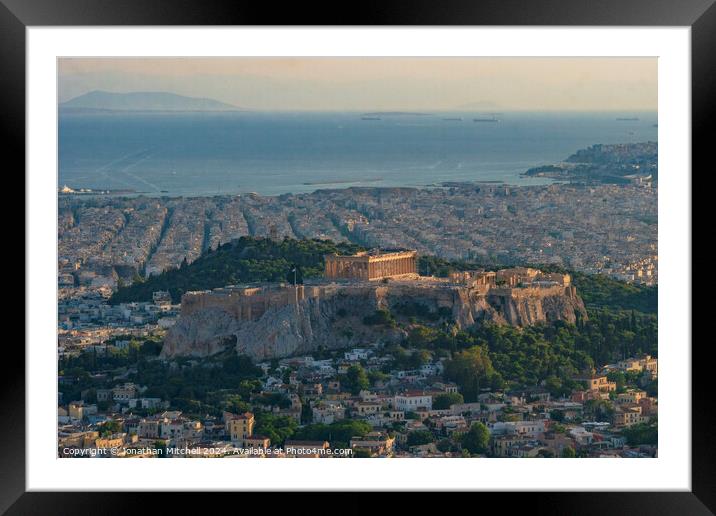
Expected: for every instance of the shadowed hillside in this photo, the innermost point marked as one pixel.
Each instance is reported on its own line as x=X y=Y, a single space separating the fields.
x=244 y=260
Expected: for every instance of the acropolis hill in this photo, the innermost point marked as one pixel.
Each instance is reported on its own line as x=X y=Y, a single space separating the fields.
x=278 y=320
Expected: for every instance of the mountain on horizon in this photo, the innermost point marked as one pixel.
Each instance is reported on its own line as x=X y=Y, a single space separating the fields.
x=144 y=101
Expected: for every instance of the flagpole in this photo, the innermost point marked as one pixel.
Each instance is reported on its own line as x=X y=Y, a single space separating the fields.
x=295 y=286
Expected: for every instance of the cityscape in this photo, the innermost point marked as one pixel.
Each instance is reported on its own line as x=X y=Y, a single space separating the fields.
x=464 y=317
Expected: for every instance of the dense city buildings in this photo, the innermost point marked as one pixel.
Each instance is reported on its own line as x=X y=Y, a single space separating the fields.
x=603 y=229
x=389 y=384
x=367 y=267
x=407 y=413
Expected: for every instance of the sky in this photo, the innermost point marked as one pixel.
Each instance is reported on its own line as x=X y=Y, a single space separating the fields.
x=384 y=83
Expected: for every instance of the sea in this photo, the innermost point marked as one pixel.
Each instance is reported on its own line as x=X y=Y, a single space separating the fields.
x=272 y=153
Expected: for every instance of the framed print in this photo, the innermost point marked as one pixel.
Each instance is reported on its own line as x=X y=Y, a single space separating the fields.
x=455 y=239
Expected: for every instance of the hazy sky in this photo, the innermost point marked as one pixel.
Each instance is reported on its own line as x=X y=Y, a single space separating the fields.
x=388 y=83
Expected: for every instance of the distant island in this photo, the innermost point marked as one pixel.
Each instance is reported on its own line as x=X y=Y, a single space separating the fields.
x=142 y=101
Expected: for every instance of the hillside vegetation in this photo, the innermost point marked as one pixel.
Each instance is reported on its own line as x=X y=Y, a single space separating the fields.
x=249 y=259
x=244 y=260
x=622 y=322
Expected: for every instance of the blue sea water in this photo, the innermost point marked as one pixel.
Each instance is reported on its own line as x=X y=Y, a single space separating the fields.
x=274 y=153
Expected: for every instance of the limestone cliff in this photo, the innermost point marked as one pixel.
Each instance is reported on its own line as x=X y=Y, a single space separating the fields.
x=332 y=317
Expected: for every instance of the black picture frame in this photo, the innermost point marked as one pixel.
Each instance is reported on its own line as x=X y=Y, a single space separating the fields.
x=700 y=15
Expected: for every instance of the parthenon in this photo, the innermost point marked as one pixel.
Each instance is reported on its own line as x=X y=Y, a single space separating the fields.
x=373 y=265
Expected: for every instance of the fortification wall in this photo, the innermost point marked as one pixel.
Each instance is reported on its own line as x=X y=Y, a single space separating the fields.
x=524 y=292
x=243 y=304
x=280 y=321
x=252 y=303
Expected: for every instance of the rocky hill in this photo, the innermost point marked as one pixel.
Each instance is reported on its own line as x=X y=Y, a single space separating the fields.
x=334 y=316
x=244 y=260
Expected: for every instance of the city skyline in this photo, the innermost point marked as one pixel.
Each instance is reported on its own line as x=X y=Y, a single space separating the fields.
x=393 y=283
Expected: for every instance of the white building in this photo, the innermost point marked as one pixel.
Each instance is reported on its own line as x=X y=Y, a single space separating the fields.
x=328 y=413
x=412 y=401
x=357 y=354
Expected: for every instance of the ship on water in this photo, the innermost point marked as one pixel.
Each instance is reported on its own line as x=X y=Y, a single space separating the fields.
x=455 y=119
x=628 y=119
x=486 y=119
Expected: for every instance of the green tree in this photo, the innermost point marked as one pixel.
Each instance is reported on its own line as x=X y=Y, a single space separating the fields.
x=568 y=452
x=445 y=445
x=445 y=401
x=420 y=437
x=599 y=410
x=276 y=428
x=619 y=378
x=109 y=427
x=243 y=260
x=422 y=337
x=652 y=387
x=379 y=317
x=241 y=365
x=356 y=379
x=377 y=376
x=642 y=433
x=471 y=370
x=337 y=433
x=476 y=439
x=557 y=415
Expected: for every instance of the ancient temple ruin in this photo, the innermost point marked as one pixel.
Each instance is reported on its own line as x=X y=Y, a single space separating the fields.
x=371 y=265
